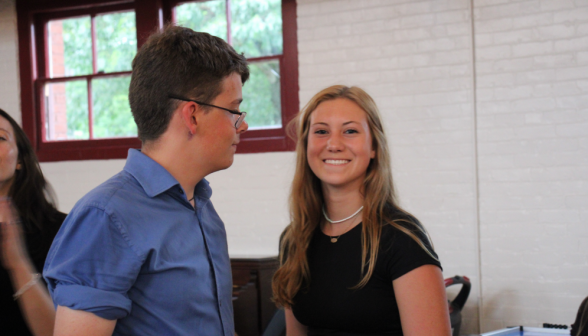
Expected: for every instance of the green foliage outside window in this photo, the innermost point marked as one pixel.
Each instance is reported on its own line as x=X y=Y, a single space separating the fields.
x=261 y=95
x=257 y=27
x=116 y=41
x=77 y=60
x=77 y=46
x=208 y=16
x=116 y=45
x=111 y=110
x=77 y=109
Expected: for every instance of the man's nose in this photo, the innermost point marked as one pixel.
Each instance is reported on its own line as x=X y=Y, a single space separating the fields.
x=243 y=127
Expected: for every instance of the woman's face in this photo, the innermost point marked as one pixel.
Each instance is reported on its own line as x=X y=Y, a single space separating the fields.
x=339 y=144
x=8 y=156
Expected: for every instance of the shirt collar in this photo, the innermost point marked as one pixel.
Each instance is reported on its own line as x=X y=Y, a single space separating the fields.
x=151 y=175
x=203 y=190
x=155 y=179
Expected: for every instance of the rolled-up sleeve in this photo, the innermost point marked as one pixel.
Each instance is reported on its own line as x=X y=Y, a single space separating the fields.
x=92 y=264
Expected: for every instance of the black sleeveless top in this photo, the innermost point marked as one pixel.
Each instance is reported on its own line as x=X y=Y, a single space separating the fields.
x=328 y=305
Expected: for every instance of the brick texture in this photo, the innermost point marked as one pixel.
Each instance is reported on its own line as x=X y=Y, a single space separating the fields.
x=533 y=172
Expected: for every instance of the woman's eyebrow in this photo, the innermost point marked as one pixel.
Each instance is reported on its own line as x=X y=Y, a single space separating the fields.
x=344 y=124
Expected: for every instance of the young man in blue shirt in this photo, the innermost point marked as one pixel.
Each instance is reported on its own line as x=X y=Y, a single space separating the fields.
x=145 y=253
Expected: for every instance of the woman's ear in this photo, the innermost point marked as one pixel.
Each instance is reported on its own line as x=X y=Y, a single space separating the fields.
x=18 y=166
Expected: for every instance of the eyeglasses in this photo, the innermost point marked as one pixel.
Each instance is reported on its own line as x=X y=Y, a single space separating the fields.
x=240 y=114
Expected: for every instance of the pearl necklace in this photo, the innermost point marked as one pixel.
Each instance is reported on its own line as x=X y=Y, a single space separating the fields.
x=334 y=239
x=342 y=220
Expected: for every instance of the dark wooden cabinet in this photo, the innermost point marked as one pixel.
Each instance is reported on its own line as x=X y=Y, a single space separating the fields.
x=252 y=292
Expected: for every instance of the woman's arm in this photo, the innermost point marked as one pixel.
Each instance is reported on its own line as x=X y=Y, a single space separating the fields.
x=35 y=304
x=293 y=327
x=422 y=302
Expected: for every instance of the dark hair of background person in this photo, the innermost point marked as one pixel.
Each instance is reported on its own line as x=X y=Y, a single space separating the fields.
x=30 y=193
x=580 y=325
x=180 y=61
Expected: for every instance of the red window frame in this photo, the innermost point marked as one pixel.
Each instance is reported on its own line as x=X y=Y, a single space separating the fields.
x=32 y=16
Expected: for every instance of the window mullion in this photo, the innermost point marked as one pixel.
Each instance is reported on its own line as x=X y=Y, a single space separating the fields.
x=228 y=15
x=45 y=120
x=94 y=58
x=90 y=108
x=89 y=83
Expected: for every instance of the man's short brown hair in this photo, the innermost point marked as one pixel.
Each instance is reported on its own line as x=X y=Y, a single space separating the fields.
x=180 y=61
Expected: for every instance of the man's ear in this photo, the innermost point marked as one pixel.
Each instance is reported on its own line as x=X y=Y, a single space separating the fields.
x=189 y=114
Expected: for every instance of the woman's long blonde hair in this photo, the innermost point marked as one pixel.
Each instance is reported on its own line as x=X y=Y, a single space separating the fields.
x=306 y=199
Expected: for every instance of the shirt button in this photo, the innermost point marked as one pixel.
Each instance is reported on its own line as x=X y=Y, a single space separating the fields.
x=181 y=191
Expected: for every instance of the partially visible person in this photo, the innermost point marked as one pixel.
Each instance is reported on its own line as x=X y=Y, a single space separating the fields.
x=29 y=223
x=352 y=261
x=580 y=325
x=145 y=253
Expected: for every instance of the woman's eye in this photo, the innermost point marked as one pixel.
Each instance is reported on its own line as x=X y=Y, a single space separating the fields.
x=320 y=132
x=351 y=131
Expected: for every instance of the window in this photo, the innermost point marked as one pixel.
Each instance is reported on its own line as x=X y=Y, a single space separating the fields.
x=253 y=28
x=89 y=71
x=74 y=85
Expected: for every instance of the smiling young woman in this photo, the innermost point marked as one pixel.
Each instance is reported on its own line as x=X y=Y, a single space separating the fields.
x=352 y=261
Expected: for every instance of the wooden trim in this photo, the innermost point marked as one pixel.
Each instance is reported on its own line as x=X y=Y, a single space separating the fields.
x=97 y=149
x=149 y=16
x=262 y=145
x=89 y=81
x=264 y=58
x=90 y=100
x=228 y=18
x=289 y=70
x=87 y=77
x=93 y=34
x=62 y=13
x=35 y=6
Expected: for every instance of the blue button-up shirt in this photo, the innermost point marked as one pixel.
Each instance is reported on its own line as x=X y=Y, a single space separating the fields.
x=134 y=249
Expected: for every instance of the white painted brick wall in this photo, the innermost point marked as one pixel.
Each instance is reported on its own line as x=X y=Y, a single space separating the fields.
x=73 y=179
x=415 y=59
x=252 y=199
x=533 y=120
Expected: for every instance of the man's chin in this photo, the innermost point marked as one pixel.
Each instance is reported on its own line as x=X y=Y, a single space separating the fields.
x=227 y=165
